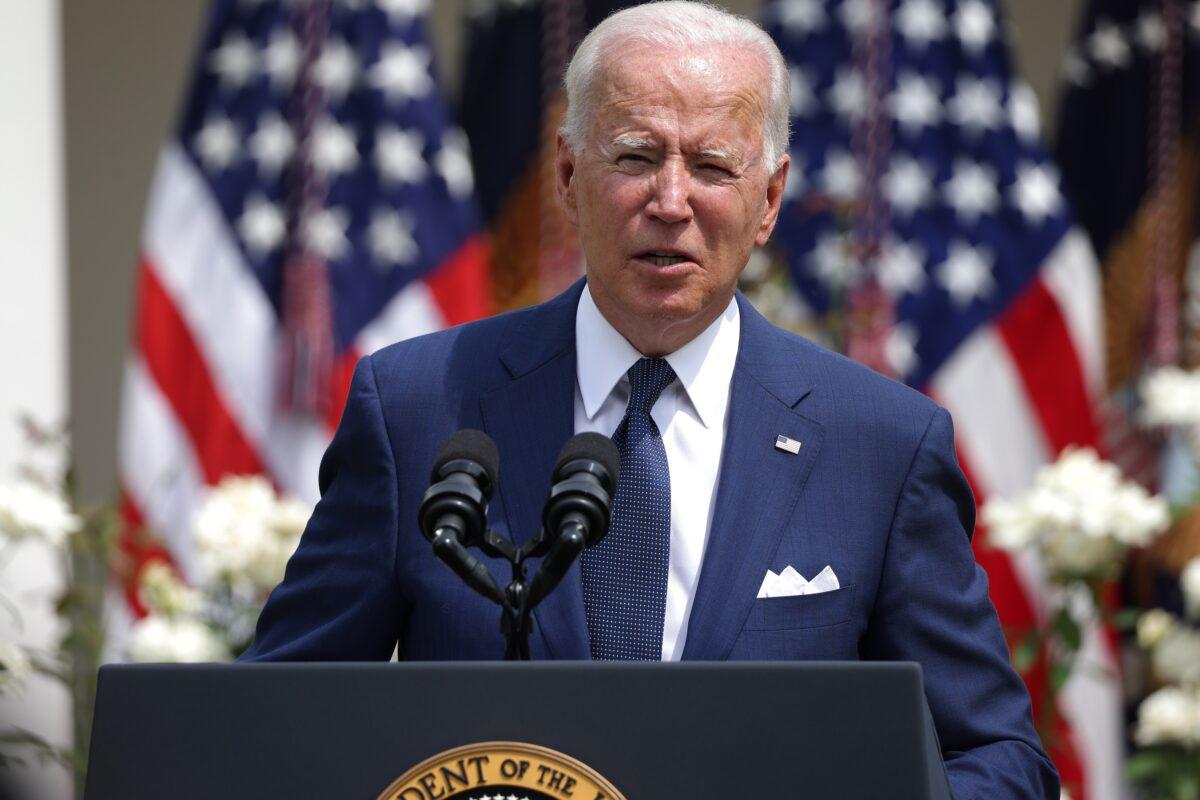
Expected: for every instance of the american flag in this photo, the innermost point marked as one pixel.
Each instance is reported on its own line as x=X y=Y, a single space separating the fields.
x=314 y=204
x=918 y=173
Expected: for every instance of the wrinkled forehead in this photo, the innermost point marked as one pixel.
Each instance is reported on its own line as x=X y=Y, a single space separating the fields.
x=713 y=79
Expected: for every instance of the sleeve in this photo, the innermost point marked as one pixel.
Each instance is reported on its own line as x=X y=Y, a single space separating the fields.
x=933 y=608
x=339 y=598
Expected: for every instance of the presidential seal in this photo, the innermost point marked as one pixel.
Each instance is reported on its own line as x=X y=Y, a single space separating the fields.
x=501 y=771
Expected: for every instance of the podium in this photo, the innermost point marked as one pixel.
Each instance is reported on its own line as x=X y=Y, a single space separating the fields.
x=449 y=731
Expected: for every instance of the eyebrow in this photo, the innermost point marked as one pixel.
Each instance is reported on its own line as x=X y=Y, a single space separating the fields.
x=718 y=154
x=633 y=141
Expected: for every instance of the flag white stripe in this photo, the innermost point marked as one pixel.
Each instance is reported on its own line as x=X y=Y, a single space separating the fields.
x=412 y=312
x=981 y=387
x=158 y=465
x=293 y=452
x=1072 y=276
x=1091 y=700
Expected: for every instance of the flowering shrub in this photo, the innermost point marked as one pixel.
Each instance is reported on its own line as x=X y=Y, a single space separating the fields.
x=35 y=508
x=1081 y=518
x=182 y=639
x=1168 y=721
x=244 y=534
x=30 y=510
x=1170 y=716
x=1080 y=515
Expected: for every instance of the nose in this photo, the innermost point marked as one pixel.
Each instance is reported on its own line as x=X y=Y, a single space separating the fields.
x=670 y=199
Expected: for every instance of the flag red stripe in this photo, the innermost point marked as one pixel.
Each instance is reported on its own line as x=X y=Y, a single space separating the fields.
x=176 y=364
x=1034 y=331
x=461 y=285
x=1017 y=617
x=339 y=385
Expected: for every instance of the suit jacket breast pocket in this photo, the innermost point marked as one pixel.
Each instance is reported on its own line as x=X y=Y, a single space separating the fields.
x=802 y=611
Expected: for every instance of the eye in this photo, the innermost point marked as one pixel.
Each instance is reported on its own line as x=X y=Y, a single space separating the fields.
x=632 y=158
x=716 y=170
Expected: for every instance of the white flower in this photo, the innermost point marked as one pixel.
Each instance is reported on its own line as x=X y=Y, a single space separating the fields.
x=178 y=639
x=1189 y=581
x=1136 y=516
x=245 y=534
x=1171 y=396
x=290 y=518
x=161 y=591
x=1153 y=627
x=1177 y=657
x=1169 y=716
x=15 y=666
x=1011 y=525
x=1080 y=513
x=31 y=511
x=1072 y=551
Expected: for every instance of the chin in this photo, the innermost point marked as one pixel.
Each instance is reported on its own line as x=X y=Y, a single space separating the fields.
x=673 y=306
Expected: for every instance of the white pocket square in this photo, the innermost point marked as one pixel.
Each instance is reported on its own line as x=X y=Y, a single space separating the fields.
x=790 y=583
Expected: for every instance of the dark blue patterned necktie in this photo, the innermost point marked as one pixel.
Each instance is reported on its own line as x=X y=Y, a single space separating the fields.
x=625 y=575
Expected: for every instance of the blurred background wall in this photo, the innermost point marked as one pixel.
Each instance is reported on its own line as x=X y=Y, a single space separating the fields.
x=33 y=343
x=124 y=68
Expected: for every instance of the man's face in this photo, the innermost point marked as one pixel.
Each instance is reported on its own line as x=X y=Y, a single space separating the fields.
x=668 y=190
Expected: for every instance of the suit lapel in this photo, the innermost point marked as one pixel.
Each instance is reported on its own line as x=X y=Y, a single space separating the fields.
x=759 y=483
x=530 y=418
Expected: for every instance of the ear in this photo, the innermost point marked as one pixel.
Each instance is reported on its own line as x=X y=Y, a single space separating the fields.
x=775 y=185
x=564 y=179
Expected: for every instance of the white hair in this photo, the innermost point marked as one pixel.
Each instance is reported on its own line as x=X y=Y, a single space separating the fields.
x=677 y=24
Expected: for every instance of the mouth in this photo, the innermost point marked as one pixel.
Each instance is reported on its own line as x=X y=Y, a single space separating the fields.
x=664 y=258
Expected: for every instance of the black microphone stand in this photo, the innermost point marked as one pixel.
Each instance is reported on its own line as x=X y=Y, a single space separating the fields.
x=515 y=621
x=521 y=596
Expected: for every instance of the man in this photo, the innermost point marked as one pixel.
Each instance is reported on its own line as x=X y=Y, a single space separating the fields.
x=672 y=163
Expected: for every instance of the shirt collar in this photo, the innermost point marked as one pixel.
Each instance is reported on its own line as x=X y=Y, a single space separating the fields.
x=704 y=366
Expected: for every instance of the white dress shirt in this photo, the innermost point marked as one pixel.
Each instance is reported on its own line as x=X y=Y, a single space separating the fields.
x=690 y=414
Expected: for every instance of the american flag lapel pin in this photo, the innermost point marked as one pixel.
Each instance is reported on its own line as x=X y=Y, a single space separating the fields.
x=787 y=444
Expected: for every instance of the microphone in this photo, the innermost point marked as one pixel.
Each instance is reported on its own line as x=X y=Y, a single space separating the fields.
x=453 y=512
x=576 y=513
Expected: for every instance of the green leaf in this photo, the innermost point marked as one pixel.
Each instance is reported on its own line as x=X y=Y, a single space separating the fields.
x=1141 y=767
x=1127 y=618
x=1060 y=671
x=1026 y=654
x=20 y=736
x=1067 y=630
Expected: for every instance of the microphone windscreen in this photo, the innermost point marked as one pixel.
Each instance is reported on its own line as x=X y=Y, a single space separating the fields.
x=471 y=445
x=592 y=446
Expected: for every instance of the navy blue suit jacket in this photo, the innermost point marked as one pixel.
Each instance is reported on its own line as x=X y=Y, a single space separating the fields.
x=875 y=492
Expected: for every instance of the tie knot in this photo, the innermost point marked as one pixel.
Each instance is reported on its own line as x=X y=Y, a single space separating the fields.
x=647 y=379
